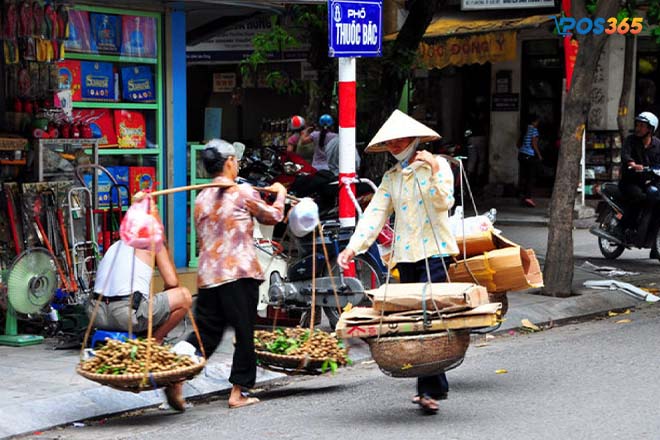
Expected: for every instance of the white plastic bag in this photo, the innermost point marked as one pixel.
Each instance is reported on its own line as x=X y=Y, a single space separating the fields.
x=304 y=217
x=474 y=225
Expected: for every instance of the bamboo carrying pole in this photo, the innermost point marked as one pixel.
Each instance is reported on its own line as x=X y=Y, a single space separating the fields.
x=141 y=195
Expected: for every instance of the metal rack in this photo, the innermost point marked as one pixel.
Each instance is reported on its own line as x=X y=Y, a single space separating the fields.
x=66 y=146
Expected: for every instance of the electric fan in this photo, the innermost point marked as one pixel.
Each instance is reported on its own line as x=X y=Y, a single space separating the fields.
x=31 y=284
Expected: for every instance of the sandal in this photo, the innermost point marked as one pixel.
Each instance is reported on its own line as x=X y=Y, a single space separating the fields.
x=428 y=405
x=244 y=402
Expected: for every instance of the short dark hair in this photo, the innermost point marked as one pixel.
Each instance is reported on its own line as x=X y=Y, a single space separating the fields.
x=213 y=161
x=533 y=118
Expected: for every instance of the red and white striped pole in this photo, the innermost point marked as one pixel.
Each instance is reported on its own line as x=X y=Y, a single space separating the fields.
x=347 y=112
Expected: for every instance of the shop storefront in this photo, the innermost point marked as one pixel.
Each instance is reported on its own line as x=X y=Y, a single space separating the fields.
x=246 y=104
x=486 y=75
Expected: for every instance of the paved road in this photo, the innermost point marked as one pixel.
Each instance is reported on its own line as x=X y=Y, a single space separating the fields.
x=589 y=380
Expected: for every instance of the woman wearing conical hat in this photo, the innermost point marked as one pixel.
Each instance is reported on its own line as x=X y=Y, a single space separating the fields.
x=419 y=191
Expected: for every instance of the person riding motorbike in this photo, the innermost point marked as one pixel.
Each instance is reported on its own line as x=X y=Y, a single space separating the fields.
x=640 y=150
x=314 y=184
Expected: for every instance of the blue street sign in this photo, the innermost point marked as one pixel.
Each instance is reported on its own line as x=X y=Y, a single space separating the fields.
x=354 y=28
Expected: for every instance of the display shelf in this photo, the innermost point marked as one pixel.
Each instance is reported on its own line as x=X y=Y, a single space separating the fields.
x=126 y=151
x=156 y=108
x=116 y=105
x=109 y=58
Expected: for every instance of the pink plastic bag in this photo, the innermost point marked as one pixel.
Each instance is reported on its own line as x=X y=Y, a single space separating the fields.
x=140 y=229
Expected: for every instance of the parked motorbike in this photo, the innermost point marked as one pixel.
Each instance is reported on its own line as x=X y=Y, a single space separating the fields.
x=290 y=284
x=612 y=241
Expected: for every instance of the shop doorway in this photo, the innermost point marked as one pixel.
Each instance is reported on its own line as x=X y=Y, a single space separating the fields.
x=452 y=100
x=541 y=92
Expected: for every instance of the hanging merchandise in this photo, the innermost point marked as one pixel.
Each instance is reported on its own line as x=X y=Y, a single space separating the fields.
x=9 y=33
x=138 y=36
x=131 y=129
x=106 y=32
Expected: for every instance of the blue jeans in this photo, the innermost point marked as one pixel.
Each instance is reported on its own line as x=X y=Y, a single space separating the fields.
x=435 y=386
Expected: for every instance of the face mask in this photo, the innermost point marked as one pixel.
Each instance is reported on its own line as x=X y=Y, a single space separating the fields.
x=407 y=153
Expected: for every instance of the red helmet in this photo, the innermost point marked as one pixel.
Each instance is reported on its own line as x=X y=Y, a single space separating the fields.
x=296 y=123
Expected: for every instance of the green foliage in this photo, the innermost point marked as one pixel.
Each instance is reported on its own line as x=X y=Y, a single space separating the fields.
x=300 y=21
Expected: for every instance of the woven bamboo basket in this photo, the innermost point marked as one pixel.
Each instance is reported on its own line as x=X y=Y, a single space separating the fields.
x=499 y=297
x=137 y=382
x=290 y=364
x=419 y=355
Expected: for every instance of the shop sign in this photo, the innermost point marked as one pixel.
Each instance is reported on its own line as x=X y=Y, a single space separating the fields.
x=307 y=72
x=467 y=5
x=474 y=49
x=224 y=82
x=354 y=28
x=505 y=102
x=235 y=44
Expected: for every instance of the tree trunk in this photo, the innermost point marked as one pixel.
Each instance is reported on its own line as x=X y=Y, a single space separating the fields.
x=395 y=67
x=558 y=270
x=622 y=114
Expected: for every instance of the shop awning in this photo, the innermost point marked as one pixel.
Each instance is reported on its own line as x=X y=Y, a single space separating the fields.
x=451 y=26
x=466 y=39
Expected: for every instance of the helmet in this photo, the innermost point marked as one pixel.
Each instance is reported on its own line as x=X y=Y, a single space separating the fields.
x=650 y=119
x=296 y=123
x=326 y=121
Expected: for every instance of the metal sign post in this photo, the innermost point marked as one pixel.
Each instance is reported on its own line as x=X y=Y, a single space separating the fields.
x=354 y=30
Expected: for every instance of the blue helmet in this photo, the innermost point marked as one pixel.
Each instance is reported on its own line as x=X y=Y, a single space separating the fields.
x=326 y=121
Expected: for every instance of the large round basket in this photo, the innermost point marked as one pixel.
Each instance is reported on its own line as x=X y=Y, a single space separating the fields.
x=419 y=355
x=500 y=298
x=289 y=364
x=137 y=382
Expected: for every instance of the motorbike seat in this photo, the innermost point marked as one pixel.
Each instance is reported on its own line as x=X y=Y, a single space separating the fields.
x=611 y=191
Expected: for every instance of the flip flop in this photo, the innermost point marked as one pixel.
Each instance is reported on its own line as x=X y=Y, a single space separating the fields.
x=246 y=402
x=428 y=405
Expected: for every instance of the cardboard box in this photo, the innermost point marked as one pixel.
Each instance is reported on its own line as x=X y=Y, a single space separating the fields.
x=98 y=81
x=501 y=270
x=105 y=192
x=102 y=123
x=408 y=296
x=362 y=322
x=476 y=244
x=68 y=78
x=141 y=178
x=131 y=129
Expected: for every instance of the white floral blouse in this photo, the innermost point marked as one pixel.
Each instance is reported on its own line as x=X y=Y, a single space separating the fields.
x=415 y=231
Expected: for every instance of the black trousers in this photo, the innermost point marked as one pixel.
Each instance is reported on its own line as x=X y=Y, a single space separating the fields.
x=634 y=195
x=232 y=304
x=529 y=168
x=434 y=386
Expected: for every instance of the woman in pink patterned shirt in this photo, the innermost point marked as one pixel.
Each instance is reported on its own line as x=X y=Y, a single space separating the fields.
x=229 y=273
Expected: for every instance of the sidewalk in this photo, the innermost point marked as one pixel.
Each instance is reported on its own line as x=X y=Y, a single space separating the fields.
x=42 y=390
x=510 y=211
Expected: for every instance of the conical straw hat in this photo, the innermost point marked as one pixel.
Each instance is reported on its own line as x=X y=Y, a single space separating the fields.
x=400 y=125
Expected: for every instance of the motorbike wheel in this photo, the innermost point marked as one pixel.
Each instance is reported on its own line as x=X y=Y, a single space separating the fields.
x=369 y=275
x=610 y=250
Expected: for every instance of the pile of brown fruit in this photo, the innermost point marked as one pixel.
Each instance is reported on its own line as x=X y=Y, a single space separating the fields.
x=117 y=357
x=297 y=342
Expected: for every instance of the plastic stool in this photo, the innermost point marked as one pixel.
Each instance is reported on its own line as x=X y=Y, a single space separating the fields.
x=100 y=335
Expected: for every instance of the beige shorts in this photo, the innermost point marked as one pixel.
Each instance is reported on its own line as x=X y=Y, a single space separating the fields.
x=114 y=315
